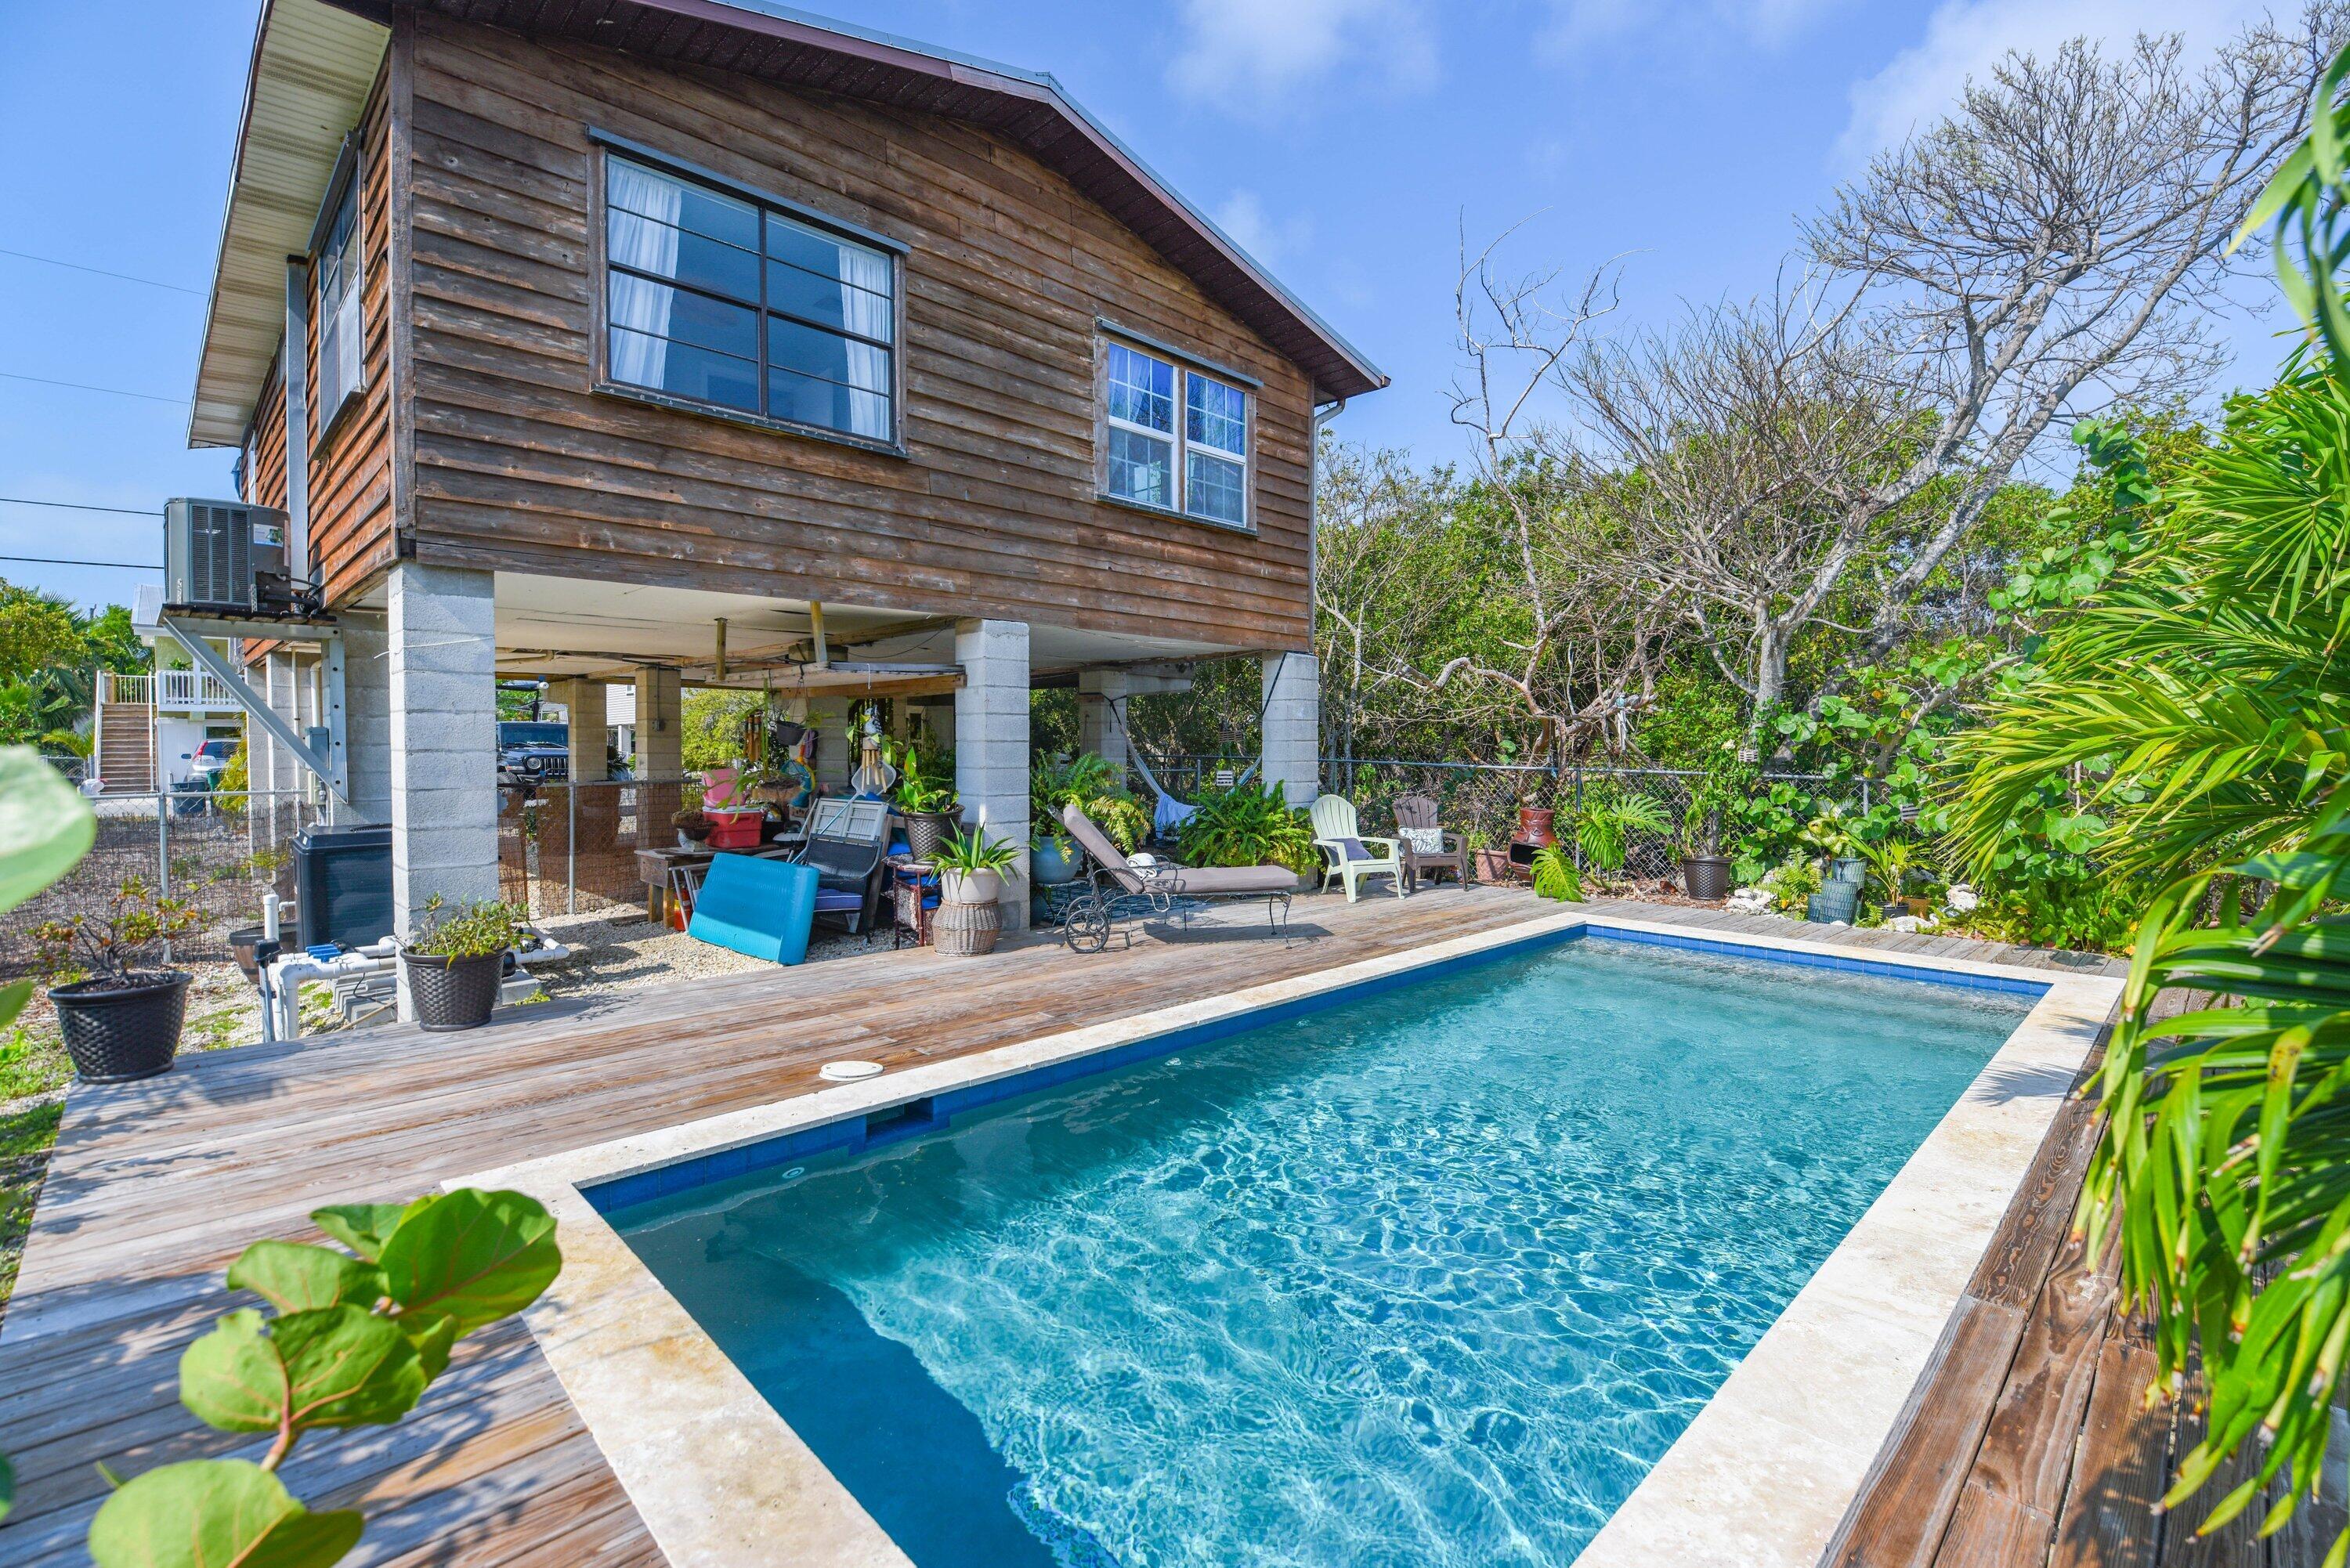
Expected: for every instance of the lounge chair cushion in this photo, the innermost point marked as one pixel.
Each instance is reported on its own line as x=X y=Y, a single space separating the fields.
x=1351 y=849
x=1422 y=840
x=761 y=907
x=1229 y=879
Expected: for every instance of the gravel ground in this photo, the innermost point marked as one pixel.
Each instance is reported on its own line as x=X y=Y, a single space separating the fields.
x=611 y=954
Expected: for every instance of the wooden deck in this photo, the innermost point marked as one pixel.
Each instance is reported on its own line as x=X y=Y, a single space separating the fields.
x=155 y=1186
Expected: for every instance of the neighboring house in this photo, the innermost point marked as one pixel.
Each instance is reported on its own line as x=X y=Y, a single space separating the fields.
x=151 y=729
x=678 y=341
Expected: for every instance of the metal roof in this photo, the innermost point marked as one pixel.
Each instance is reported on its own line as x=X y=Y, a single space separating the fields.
x=313 y=64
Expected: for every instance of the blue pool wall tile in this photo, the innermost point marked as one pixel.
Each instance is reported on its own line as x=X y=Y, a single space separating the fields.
x=1882 y=967
x=848 y=1135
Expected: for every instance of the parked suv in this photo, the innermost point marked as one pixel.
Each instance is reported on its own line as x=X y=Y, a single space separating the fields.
x=532 y=752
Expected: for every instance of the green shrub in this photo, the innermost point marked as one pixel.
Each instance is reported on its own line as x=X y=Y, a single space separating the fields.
x=1249 y=825
x=1095 y=786
x=477 y=931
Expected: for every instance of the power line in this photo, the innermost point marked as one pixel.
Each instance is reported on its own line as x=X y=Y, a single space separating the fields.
x=86 y=387
x=82 y=506
x=77 y=266
x=69 y=561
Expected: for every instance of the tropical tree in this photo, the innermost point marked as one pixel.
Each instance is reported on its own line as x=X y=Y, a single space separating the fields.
x=2225 y=1163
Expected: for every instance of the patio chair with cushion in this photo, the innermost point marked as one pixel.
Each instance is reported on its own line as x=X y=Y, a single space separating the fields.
x=1426 y=847
x=846 y=842
x=1347 y=856
x=1119 y=888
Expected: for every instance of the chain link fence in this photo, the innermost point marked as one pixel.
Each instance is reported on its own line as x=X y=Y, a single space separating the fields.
x=1481 y=801
x=571 y=849
x=216 y=852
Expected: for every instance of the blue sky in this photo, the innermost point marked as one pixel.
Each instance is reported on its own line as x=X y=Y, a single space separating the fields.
x=1347 y=143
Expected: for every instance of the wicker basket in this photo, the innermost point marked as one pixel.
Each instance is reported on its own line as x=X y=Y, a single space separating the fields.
x=966 y=930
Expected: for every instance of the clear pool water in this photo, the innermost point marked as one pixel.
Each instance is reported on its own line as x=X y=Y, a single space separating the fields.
x=1431 y=1277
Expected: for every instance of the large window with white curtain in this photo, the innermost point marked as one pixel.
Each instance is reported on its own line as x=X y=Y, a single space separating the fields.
x=716 y=299
x=1174 y=436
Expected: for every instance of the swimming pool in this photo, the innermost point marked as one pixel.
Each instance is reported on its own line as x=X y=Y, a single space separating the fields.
x=1429 y=1276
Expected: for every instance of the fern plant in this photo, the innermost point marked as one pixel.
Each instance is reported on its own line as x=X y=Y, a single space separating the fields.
x=1249 y=825
x=1605 y=826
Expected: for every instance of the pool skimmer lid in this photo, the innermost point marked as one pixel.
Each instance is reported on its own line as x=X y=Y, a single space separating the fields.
x=848 y=1072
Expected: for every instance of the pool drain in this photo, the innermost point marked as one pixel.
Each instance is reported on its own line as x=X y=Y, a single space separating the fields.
x=848 y=1072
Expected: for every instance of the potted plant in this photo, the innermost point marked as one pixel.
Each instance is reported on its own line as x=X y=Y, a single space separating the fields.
x=692 y=826
x=1705 y=869
x=971 y=882
x=739 y=823
x=1830 y=834
x=121 y=1014
x=1095 y=787
x=452 y=963
x=926 y=803
x=1491 y=864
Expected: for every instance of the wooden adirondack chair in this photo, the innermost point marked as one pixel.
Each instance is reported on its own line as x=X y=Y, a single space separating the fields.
x=1347 y=856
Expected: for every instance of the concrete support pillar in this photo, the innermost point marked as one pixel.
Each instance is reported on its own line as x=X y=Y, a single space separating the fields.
x=991 y=745
x=1292 y=690
x=444 y=712
x=583 y=701
x=660 y=725
x=367 y=713
x=1099 y=729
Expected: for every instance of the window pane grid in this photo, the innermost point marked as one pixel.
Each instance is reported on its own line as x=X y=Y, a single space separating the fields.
x=750 y=325
x=1201 y=468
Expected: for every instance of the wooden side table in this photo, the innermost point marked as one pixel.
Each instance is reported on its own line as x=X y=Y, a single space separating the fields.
x=913 y=900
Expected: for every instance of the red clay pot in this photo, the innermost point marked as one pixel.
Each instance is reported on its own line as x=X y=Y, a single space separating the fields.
x=1535 y=826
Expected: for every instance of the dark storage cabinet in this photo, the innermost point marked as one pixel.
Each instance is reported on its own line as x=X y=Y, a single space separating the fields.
x=342 y=884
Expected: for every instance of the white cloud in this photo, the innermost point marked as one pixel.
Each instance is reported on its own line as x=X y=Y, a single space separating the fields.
x=1259 y=57
x=1966 y=38
x=1675 y=26
x=1272 y=240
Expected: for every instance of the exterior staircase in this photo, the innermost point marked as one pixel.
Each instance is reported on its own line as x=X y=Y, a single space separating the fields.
x=126 y=748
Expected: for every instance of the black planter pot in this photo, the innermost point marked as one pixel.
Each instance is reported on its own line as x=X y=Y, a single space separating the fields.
x=1706 y=876
x=926 y=831
x=453 y=992
x=116 y=1033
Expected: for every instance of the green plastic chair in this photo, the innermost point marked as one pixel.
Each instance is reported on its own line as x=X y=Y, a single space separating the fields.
x=1348 y=856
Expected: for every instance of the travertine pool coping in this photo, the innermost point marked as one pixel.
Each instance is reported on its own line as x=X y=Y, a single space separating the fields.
x=1761 y=1477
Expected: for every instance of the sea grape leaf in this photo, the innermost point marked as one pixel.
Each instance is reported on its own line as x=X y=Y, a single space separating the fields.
x=216 y=1513
x=362 y=1227
x=231 y=1377
x=293 y=1276
x=45 y=824
x=12 y=997
x=475 y=1256
x=432 y=1335
x=334 y=1367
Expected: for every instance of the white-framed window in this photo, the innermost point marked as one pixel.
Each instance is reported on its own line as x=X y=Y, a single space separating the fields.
x=713 y=299
x=1174 y=436
x=342 y=331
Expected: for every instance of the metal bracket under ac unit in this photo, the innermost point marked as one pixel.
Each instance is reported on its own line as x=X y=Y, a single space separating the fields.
x=332 y=766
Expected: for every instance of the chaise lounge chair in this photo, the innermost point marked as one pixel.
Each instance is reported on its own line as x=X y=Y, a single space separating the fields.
x=1120 y=889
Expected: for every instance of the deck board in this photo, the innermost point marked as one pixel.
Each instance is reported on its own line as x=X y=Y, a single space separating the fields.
x=153 y=1187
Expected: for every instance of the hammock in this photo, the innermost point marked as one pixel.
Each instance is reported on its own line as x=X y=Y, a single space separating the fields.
x=1170 y=814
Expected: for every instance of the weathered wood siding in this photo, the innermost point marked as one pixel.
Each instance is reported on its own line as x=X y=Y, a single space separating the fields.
x=519 y=464
x=351 y=534
x=350 y=463
x=265 y=462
